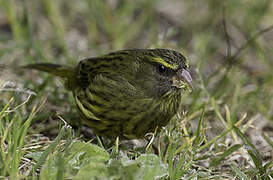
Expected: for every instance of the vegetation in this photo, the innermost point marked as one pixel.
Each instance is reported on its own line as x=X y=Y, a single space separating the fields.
x=224 y=129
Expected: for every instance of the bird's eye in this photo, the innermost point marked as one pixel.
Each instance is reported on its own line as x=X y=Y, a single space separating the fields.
x=162 y=69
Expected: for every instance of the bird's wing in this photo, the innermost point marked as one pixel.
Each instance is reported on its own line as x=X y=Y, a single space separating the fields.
x=116 y=87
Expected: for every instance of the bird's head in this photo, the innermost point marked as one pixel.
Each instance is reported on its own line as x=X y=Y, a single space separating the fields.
x=162 y=71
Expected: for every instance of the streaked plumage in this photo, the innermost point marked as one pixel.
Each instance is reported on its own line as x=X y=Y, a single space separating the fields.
x=126 y=93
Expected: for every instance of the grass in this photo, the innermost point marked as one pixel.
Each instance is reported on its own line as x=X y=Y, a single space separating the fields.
x=224 y=129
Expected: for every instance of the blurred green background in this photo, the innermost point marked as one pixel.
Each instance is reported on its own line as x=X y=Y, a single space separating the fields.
x=229 y=45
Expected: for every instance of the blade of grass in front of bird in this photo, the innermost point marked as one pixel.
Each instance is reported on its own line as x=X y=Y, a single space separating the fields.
x=99 y=142
x=230 y=124
x=13 y=140
x=182 y=159
x=187 y=145
x=9 y=150
x=221 y=135
x=4 y=155
x=4 y=130
x=226 y=153
x=27 y=123
x=217 y=111
x=253 y=152
x=60 y=165
x=198 y=135
x=214 y=139
x=6 y=107
x=267 y=139
x=20 y=138
x=115 y=150
x=239 y=173
x=187 y=167
x=50 y=148
x=269 y=165
x=171 y=149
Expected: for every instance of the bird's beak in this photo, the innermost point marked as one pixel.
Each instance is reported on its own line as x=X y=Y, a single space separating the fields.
x=183 y=76
x=186 y=77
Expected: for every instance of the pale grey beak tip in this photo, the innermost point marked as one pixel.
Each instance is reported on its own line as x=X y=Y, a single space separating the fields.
x=186 y=76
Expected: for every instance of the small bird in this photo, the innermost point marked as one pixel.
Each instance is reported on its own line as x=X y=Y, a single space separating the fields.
x=127 y=93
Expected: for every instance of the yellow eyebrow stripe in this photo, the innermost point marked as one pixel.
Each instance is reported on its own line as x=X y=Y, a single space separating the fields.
x=164 y=63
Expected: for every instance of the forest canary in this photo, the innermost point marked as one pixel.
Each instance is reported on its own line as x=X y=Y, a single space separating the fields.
x=126 y=93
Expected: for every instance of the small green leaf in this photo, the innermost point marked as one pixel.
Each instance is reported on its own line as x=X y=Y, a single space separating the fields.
x=147 y=166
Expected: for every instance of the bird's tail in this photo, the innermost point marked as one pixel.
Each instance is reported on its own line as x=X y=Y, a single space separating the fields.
x=66 y=72
x=55 y=69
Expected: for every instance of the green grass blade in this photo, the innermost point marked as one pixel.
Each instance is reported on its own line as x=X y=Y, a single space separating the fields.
x=52 y=146
x=239 y=173
x=214 y=140
x=252 y=151
x=217 y=161
x=198 y=131
x=267 y=139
